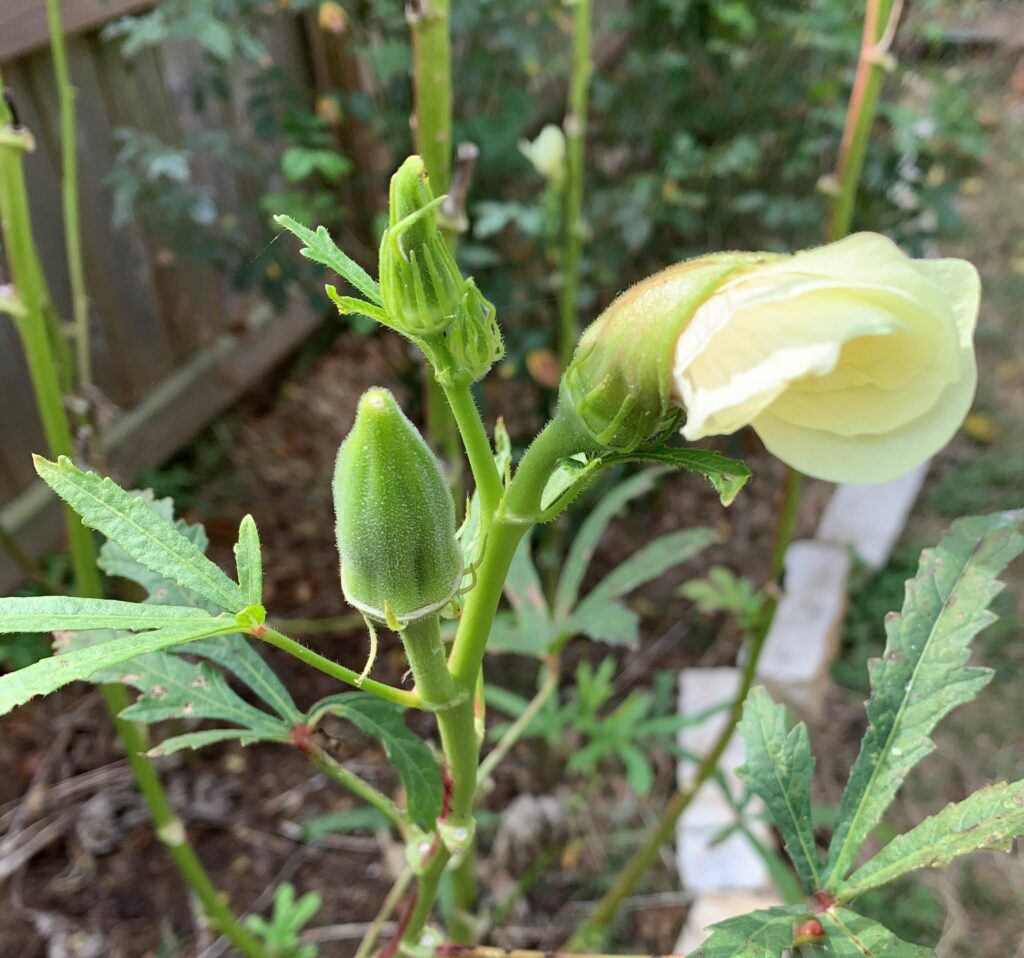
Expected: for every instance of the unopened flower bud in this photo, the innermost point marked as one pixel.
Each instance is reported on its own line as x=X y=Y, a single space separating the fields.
x=420 y=281
x=474 y=340
x=619 y=383
x=852 y=361
x=400 y=560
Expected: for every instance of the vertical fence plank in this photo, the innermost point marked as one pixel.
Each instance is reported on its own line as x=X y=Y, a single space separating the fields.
x=117 y=270
x=189 y=294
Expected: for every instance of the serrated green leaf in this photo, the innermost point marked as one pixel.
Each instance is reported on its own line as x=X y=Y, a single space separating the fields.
x=577 y=559
x=765 y=933
x=727 y=476
x=990 y=819
x=114 y=561
x=234 y=654
x=59 y=613
x=853 y=936
x=320 y=248
x=51 y=674
x=249 y=562
x=923 y=674
x=131 y=522
x=410 y=755
x=197 y=740
x=779 y=768
x=172 y=687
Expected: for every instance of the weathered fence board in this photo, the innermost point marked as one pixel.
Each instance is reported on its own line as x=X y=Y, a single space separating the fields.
x=173 y=345
x=23 y=22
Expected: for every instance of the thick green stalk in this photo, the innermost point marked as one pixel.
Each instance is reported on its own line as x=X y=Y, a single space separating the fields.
x=69 y=191
x=171 y=831
x=516 y=514
x=575 y=138
x=880 y=21
x=430 y=23
x=27 y=274
x=478 y=448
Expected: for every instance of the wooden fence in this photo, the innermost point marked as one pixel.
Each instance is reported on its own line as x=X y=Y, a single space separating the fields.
x=173 y=345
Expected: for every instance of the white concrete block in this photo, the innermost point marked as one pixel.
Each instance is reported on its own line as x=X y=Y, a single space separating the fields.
x=703 y=864
x=870 y=519
x=699 y=691
x=804 y=634
x=714 y=907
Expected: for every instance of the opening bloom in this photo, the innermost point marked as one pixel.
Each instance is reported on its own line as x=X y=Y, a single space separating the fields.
x=852 y=362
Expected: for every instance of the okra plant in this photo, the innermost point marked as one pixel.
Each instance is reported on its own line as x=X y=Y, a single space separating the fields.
x=852 y=362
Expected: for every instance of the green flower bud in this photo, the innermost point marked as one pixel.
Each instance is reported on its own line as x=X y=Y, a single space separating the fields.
x=400 y=560
x=619 y=383
x=473 y=341
x=420 y=282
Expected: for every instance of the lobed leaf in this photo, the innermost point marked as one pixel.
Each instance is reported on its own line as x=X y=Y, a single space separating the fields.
x=923 y=674
x=991 y=818
x=59 y=613
x=235 y=654
x=174 y=688
x=853 y=936
x=114 y=561
x=131 y=522
x=779 y=768
x=249 y=562
x=410 y=755
x=766 y=933
x=727 y=476
x=320 y=248
x=50 y=674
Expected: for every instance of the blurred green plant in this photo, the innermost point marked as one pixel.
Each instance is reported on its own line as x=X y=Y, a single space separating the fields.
x=280 y=933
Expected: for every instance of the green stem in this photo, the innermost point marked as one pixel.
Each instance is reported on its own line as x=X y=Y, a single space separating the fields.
x=792 y=486
x=478 y=447
x=594 y=930
x=332 y=767
x=27 y=274
x=394 y=896
x=281 y=641
x=430 y=23
x=516 y=514
x=575 y=138
x=69 y=191
x=879 y=26
x=171 y=831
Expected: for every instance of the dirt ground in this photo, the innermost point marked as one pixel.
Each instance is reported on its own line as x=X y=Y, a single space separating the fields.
x=98 y=883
